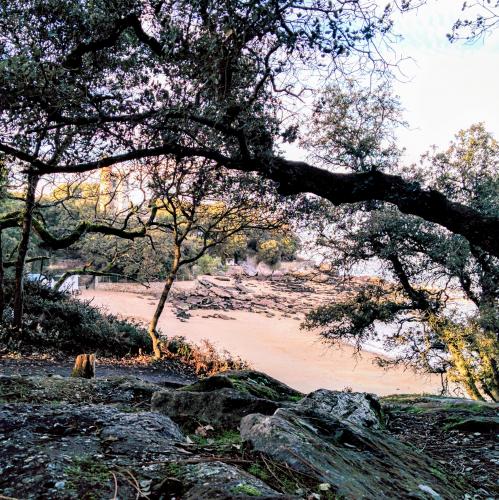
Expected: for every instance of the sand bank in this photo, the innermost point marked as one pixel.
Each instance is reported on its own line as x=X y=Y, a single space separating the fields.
x=276 y=346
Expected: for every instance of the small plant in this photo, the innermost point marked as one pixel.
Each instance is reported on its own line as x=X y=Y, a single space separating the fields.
x=174 y=470
x=86 y=477
x=247 y=489
x=205 y=359
x=259 y=472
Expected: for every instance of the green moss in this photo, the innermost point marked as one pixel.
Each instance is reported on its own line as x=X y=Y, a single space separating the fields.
x=261 y=386
x=258 y=471
x=247 y=382
x=408 y=398
x=416 y=410
x=472 y=424
x=476 y=408
x=247 y=489
x=88 y=477
x=227 y=438
x=220 y=441
x=174 y=470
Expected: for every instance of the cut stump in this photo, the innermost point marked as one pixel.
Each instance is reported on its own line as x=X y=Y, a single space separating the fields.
x=84 y=366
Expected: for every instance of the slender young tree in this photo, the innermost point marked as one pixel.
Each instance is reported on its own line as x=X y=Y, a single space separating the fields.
x=200 y=207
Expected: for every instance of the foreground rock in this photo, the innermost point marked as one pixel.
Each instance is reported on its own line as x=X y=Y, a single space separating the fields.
x=354 y=458
x=355 y=408
x=70 y=438
x=223 y=400
x=218 y=480
x=58 y=451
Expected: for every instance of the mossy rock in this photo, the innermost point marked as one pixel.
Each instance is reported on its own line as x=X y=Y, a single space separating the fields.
x=250 y=382
x=473 y=424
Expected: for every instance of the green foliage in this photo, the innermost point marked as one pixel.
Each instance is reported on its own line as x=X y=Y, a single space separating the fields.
x=55 y=320
x=208 y=265
x=424 y=264
x=354 y=127
x=269 y=252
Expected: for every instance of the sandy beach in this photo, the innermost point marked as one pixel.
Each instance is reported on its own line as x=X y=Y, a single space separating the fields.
x=274 y=345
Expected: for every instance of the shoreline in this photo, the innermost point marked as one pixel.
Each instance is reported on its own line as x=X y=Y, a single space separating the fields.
x=274 y=345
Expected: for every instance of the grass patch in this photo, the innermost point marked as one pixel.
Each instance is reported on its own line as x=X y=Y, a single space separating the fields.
x=87 y=478
x=220 y=442
x=246 y=489
x=475 y=408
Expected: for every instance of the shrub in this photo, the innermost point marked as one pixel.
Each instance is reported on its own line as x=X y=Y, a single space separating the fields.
x=208 y=265
x=55 y=320
x=205 y=359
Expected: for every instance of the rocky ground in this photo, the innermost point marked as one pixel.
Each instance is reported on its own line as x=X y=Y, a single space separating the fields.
x=237 y=435
x=289 y=295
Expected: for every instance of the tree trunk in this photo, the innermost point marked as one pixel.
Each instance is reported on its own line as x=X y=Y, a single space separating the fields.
x=466 y=376
x=84 y=366
x=23 y=250
x=161 y=304
x=2 y=294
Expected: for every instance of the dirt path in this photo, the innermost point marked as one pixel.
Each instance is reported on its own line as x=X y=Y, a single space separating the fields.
x=36 y=365
x=274 y=345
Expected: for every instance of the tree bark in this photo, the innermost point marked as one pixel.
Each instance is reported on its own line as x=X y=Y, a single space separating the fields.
x=23 y=250
x=161 y=304
x=466 y=377
x=2 y=294
x=295 y=177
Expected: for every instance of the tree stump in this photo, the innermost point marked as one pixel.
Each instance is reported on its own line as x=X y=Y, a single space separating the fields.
x=84 y=366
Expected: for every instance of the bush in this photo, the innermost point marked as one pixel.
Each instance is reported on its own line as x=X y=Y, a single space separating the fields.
x=208 y=265
x=56 y=320
x=205 y=359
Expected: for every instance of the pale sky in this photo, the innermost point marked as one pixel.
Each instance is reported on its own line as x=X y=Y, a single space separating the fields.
x=443 y=87
x=448 y=86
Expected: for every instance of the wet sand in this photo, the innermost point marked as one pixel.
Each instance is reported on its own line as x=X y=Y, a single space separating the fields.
x=276 y=346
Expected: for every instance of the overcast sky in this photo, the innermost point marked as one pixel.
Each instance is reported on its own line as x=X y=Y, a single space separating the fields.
x=448 y=86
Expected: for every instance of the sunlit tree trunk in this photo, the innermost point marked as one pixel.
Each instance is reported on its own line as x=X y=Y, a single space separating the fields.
x=153 y=325
x=491 y=384
x=23 y=250
x=465 y=375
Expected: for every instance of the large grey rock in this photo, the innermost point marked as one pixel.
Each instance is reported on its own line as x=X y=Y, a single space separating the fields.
x=132 y=433
x=50 y=449
x=222 y=400
x=207 y=481
x=222 y=408
x=248 y=382
x=358 y=408
x=356 y=461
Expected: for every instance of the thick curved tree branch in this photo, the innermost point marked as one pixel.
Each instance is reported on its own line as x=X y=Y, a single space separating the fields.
x=54 y=243
x=299 y=177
